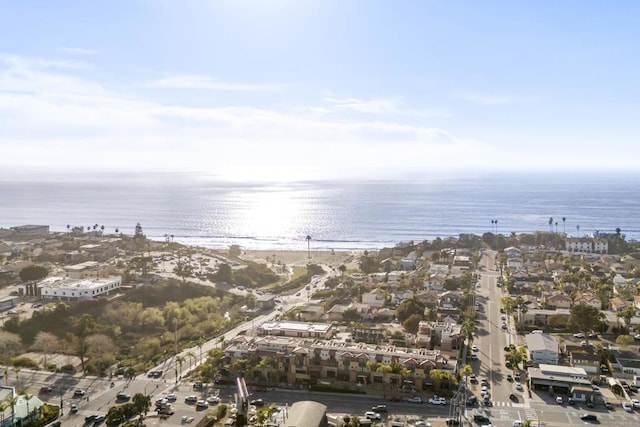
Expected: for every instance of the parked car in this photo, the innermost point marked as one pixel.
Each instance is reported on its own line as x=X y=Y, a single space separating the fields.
x=473 y=379
x=590 y=404
x=79 y=392
x=472 y=400
x=627 y=407
x=191 y=399
x=578 y=335
x=213 y=400
x=608 y=405
x=518 y=386
x=474 y=348
x=559 y=400
x=202 y=404
x=171 y=397
x=99 y=419
x=452 y=422
x=257 y=402
x=89 y=419
x=416 y=399
x=372 y=415
x=635 y=403
x=636 y=337
x=513 y=397
x=74 y=408
x=45 y=389
x=509 y=378
x=381 y=409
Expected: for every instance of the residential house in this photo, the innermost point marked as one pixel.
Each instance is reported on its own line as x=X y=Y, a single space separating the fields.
x=557 y=300
x=540 y=316
x=617 y=304
x=375 y=298
x=542 y=348
x=584 y=357
x=626 y=361
x=311 y=312
x=589 y=299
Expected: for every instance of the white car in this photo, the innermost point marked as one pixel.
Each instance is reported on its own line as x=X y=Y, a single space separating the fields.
x=484 y=388
x=438 y=401
x=596 y=390
x=627 y=407
x=373 y=415
x=474 y=348
x=636 y=337
x=414 y=399
x=578 y=335
x=635 y=403
x=519 y=386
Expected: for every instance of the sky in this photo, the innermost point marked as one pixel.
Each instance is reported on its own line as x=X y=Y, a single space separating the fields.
x=315 y=89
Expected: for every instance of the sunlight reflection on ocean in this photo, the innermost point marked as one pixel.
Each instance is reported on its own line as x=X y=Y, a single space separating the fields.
x=337 y=215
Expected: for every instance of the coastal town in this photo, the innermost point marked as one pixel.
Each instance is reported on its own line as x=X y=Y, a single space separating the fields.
x=503 y=330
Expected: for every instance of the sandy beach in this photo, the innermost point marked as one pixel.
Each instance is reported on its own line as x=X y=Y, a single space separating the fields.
x=334 y=258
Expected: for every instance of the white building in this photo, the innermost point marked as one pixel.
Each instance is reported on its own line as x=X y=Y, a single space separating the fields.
x=297 y=329
x=62 y=288
x=587 y=244
x=543 y=348
x=375 y=298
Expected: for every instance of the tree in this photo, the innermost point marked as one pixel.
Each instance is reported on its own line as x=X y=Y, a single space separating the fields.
x=564 y=225
x=584 y=318
x=224 y=274
x=342 y=269
x=351 y=315
x=551 y=224
x=466 y=371
x=468 y=328
x=45 y=342
x=183 y=270
x=308 y=238
x=516 y=355
x=10 y=345
x=627 y=314
x=411 y=323
x=33 y=272
x=142 y=404
x=409 y=307
x=101 y=349
x=81 y=329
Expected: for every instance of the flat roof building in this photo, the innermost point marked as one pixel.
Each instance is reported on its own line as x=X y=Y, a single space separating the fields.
x=543 y=348
x=306 y=413
x=62 y=288
x=297 y=329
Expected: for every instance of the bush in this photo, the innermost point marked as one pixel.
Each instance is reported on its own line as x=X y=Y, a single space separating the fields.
x=24 y=362
x=68 y=369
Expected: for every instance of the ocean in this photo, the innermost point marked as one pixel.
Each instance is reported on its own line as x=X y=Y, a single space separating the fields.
x=353 y=215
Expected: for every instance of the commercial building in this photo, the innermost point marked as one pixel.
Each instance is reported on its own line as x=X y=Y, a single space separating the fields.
x=559 y=378
x=62 y=288
x=297 y=329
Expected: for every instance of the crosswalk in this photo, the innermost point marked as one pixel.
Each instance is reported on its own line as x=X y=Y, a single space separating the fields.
x=509 y=404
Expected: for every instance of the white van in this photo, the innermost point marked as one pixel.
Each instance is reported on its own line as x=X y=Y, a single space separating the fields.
x=518 y=423
x=537 y=331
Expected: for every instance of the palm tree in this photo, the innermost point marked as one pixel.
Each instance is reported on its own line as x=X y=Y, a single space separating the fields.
x=191 y=355
x=578 y=228
x=179 y=360
x=16 y=369
x=12 y=400
x=564 y=225
x=308 y=238
x=68 y=228
x=551 y=224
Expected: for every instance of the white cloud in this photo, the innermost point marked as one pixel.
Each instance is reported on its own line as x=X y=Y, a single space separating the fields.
x=207 y=83
x=50 y=118
x=385 y=106
x=24 y=63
